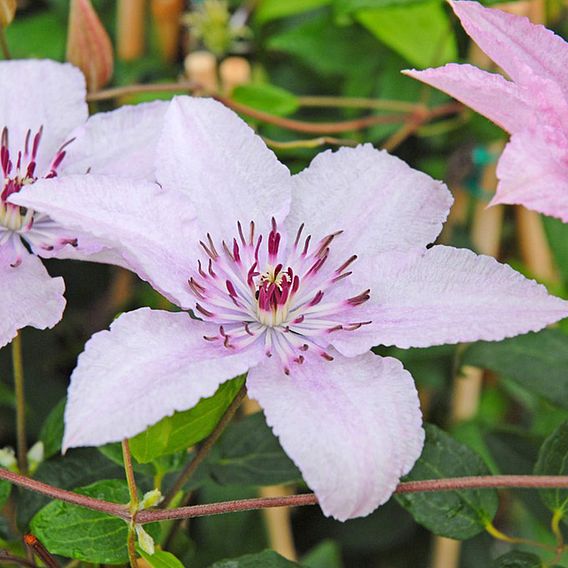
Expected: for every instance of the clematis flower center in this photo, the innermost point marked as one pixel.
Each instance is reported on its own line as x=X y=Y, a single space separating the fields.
x=288 y=298
x=18 y=171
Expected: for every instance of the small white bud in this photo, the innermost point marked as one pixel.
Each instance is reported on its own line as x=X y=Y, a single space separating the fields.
x=145 y=541
x=151 y=499
x=36 y=455
x=8 y=458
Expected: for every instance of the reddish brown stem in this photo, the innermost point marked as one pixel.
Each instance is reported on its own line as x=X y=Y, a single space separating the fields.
x=430 y=485
x=114 y=509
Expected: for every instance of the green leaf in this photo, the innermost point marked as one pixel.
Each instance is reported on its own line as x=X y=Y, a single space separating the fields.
x=557 y=233
x=51 y=433
x=249 y=454
x=184 y=429
x=326 y=48
x=5 y=490
x=268 y=10
x=268 y=98
x=78 y=468
x=421 y=33
x=161 y=559
x=266 y=559
x=553 y=460
x=454 y=514
x=42 y=35
x=326 y=554
x=537 y=361
x=518 y=559
x=83 y=534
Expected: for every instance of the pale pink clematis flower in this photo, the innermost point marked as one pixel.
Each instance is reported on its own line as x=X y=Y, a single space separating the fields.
x=532 y=106
x=293 y=279
x=44 y=133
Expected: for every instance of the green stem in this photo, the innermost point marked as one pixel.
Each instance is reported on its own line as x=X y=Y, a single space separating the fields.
x=18 y=368
x=205 y=448
x=134 y=502
x=4 y=44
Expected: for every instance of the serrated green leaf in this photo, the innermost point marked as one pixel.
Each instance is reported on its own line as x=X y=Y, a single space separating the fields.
x=518 y=559
x=5 y=490
x=453 y=514
x=268 y=98
x=249 y=454
x=553 y=460
x=268 y=10
x=184 y=429
x=51 y=433
x=83 y=534
x=421 y=33
x=161 y=559
x=266 y=559
x=537 y=361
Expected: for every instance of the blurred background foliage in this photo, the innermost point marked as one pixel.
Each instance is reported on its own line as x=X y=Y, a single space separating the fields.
x=325 y=62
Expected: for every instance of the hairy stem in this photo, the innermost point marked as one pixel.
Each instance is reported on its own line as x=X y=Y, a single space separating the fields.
x=149 y=516
x=134 y=502
x=205 y=448
x=18 y=368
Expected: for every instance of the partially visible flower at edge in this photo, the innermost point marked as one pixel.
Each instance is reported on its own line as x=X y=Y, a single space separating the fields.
x=45 y=132
x=532 y=107
x=293 y=279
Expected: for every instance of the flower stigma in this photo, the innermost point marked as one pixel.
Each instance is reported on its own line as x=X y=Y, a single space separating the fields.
x=289 y=298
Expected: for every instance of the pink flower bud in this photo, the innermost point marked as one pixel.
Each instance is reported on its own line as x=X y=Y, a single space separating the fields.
x=88 y=45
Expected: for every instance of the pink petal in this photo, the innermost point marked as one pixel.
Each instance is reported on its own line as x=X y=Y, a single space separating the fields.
x=377 y=200
x=449 y=295
x=212 y=155
x=29 y=296
x=41 y=93
x=352 y=426
x=150 y=364
x=533 y=173
x=153 y=229
x=514 y=42
x=491 y=95
x=121 y=142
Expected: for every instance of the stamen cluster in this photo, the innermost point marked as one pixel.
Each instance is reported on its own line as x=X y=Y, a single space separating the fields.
x=274 y=294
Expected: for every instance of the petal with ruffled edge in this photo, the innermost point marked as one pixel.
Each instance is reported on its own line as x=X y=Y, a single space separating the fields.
x=514 y=42
x=489 y=94
x=448 y=295
x=213 y=156
x=153 y=229
x=532 y=173
x=378 y=201
x=352 y=426
x=38 y=93
x=120 y=142
x=150 y=364
x=29 y=296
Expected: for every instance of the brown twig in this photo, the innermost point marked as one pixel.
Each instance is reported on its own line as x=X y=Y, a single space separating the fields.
x=205 y=448
x=6 y=557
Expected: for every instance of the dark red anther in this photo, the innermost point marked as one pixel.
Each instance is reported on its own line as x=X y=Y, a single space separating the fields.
x=326 y=356
x=349 y=261
x=299 y=319
x=231 y=289
x=295 y=284
x=202 y=272
x=236 y=252
x=299 y=359
x=247 y=329
x=316 y=299
x=307 y=245
x=298 y=235
x=335 y=328
x=37 y=139
x=210 y=269
x=360 y=299
x=203 y=311
x=241 y=234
